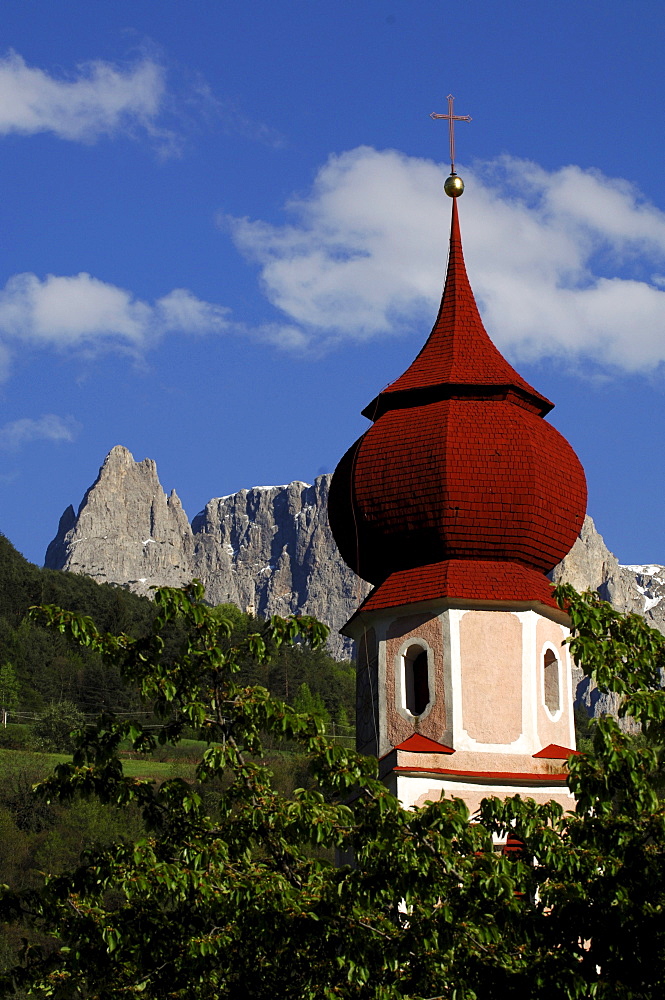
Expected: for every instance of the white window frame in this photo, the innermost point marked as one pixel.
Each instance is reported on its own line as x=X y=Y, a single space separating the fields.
x=552 y=716
x=400 y=678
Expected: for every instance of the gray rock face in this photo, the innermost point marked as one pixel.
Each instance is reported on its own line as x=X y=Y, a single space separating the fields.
x=269 y=549
x=650 y=585
x=591 y=566
x=127 y=530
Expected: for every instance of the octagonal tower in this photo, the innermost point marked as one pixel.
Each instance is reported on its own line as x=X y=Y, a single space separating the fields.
x=455 y=504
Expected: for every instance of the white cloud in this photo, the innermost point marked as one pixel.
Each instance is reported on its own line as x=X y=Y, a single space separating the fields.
x=81 y=311
x=47 y=428
x=102 y=99
x=70 y=310
x=565 y=262
x=182 y=311
x=81 y=314
x=355 y=261
x=5 y=362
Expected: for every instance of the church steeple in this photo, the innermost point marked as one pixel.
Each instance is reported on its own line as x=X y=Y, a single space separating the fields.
x=458 y=357
x=460 y=478
x=456 y=503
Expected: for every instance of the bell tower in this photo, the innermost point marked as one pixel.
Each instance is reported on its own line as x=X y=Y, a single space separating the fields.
x=455 y=504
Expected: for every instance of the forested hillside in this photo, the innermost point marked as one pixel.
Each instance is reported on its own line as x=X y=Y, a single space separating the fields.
x=47 y=668
x=39 y=668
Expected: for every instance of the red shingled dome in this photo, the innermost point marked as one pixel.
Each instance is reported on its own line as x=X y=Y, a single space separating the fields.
x=458 y=465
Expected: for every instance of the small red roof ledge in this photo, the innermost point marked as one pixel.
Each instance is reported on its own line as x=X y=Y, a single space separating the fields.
x=554 y=752
x=459 y=356
x=422 y=744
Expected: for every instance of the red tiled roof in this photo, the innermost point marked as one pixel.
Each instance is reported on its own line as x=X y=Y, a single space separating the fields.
x=423 y=744
x=458 y=467
x=554 y=752
x=458 y=351
x=461 y=579
x=457 y=479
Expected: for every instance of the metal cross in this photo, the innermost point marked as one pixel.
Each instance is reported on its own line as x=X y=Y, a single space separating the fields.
x=451 y=118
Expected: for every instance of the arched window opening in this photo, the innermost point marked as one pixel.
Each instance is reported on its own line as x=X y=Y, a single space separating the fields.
x=551 y=681
x=416 y=680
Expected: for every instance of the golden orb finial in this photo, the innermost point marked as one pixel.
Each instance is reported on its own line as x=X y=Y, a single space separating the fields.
x=453 y=186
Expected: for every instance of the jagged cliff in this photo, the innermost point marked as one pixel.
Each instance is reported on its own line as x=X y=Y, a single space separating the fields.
x=267 y=549
x=270 y=548
x=591 y=566
x=127 y=530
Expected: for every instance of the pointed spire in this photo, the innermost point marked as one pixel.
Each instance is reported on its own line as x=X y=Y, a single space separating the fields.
x=458 y=359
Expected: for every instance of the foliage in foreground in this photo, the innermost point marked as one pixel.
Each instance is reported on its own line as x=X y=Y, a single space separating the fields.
x=225 y=896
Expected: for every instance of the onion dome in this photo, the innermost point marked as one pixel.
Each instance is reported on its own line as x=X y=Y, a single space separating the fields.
x=460 y=488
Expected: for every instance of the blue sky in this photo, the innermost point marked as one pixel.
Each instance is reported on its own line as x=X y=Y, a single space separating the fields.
x=223 y=230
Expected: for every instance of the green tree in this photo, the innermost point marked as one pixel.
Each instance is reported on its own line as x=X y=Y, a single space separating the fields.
x=226 y=895
x=53 y=732
x=311 y=704
x=9 y=689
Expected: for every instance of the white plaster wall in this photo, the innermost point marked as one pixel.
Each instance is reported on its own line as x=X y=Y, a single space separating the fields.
x=523 y=683
x=519 y=679
x=414 y=792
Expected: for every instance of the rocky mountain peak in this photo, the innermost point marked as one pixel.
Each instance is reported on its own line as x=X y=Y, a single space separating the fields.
x=267 y=549
x=119 y=455
x=126 y=531
x=591 y=566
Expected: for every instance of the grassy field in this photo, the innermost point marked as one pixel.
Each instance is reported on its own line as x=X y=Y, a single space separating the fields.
x=288 y=766
x=42 y=764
